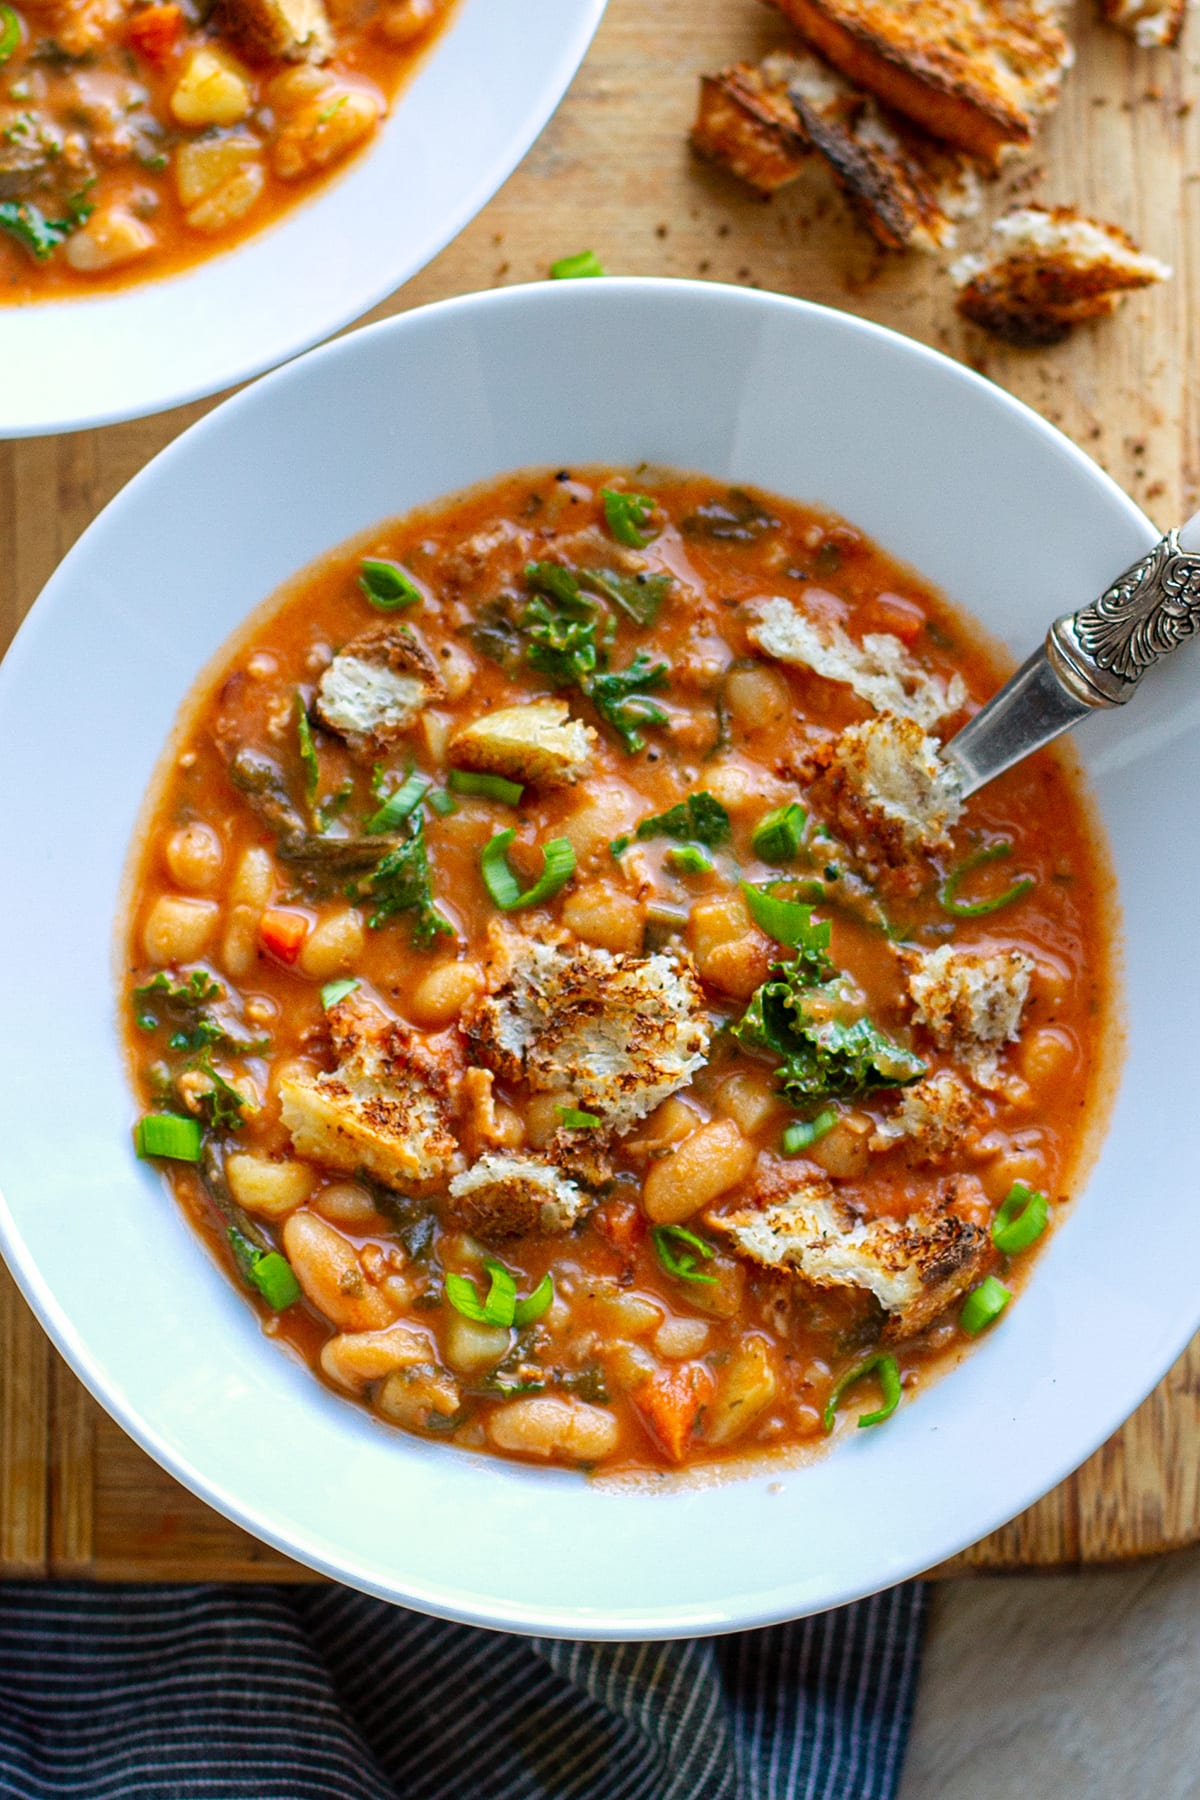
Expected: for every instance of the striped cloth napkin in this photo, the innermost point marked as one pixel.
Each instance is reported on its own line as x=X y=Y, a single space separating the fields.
x=319 y=1693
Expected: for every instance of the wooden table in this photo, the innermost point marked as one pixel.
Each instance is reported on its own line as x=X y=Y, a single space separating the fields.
x=613 y=173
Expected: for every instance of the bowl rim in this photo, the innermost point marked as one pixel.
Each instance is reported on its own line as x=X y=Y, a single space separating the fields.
x=233 y=370
x=479 y=1610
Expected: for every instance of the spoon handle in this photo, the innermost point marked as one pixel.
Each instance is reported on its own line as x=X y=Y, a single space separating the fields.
x=1091 y=659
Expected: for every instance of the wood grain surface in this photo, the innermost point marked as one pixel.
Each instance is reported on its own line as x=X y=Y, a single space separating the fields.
x=613 y=173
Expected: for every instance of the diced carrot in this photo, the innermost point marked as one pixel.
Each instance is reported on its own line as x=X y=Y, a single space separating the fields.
x=670 y=1403
x=155 y=30
x=622 y=1223
x=890 y=613
x=282 y=933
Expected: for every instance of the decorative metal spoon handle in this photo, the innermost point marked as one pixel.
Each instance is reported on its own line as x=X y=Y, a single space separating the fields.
x=1091 y=659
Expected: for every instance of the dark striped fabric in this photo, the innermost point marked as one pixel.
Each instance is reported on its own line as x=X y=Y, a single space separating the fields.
x=276 y=1693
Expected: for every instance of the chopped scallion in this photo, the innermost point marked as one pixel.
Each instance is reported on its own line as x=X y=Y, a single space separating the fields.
x=681 y=1262
x=333 y=991
x=386 y=585
x=689 y=859
x=308 y=752
x=1020 y=1219
x=170 y=1135
x=983 y=1306
x=962 y=909
x=888 y=1370
x=804 y=1132
x=10 y=32
x=787 y=921
x=500 y=1306
x=575 y=1120
x=538 y=1302
x=778 y=835
x=441 y=803
x=626 y=515
x=265 y=1270
x=488 y=787
x=571 y=268
x=558 y=866
x=400 y=805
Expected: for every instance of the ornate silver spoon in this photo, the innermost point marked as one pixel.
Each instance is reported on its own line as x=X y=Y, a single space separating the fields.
x=1093 y=658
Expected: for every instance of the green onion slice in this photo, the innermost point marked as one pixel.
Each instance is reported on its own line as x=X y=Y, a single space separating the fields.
x=537 y=1303
x=787 y=921
x=689 y=859
x=10 y=32
x=804 y=1132
x=558 y=866
x=574 y=1120
x=490 y=787
x=1020 y=1220
x=962 y=909
x=266 y=1270
x=308 y=751
x=400 y=805
x=681 y=1262
x=441 y=803
x=500 y=1306
x=333 y=991
x=984 y=1305
x=171 y=1135
x=626 y=515
x=888 y=1370
x=571 y=268
x=386 y=585
x=778 y=835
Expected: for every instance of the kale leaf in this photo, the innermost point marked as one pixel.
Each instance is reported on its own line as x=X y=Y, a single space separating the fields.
x=39 y=235
x=807 y=1015
x=700 y=819
x=400 y=882
x=563 y=645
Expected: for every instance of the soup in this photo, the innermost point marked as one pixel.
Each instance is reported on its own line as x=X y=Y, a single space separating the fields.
x=138 y=138
x=568 y=993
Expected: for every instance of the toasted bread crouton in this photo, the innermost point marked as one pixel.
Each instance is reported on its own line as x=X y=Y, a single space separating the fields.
x=970 y=1001
x=915 y=1268
x=977 y=73
x=538 y=742
x=885 y=791
x=279 y=30
x=931 y=1119
x=1048 y=269
x=759 y=123
x=747 y=124
x=507 y=1196
x=1154 y=24
x=617 y=1033
x=879 y=670
x=384 y=1108
x=376 y=686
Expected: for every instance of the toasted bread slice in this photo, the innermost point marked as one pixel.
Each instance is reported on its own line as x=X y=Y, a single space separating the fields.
x=760 y=123
x=886 y=792
x=376 y=687
x=880 y=670
x=1047 y=270
x=537 y=741
x=915 y=1268
x=508 y=1196
x=1154 y=24
x=747 y=124
x=280 y=30
x=977 y=73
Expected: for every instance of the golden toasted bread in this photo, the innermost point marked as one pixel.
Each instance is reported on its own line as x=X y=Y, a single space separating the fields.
x=977 y=73
x=760 y=122
x=1154 y=24
x=1048 y=269
x=749 y=126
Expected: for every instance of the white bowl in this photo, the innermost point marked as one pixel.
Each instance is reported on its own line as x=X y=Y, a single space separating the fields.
x=456 y=132
x=949 y=474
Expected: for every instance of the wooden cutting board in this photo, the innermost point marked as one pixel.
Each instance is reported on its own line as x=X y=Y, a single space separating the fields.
x=613 y=173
